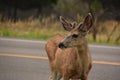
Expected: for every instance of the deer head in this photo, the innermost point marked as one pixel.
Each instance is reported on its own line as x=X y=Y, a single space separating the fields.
x=77 y=32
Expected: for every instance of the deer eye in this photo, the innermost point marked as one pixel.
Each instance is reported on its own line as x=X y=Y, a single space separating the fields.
x=75 y=35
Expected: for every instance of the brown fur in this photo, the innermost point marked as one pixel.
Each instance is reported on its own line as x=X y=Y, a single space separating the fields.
x=74 y=61
x=71 y=62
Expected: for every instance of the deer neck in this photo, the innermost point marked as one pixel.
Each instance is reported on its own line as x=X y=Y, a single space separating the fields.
x=84 y=56
x=82 y=49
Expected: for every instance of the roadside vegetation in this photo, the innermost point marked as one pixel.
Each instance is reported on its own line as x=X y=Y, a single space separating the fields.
x=38 y=19
x=108 y=31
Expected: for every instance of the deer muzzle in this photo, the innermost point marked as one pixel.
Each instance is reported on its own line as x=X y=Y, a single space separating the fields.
x=62 y=46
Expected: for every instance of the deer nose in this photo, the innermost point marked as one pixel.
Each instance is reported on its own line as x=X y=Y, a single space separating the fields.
x=61 y=45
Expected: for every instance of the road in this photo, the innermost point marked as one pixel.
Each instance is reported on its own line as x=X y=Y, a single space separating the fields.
x=27 y=60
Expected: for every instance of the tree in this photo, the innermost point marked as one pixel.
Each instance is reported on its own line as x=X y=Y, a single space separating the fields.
x=11 y=6
x=112 y=7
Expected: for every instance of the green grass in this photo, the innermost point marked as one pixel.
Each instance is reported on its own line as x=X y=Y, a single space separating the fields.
x=26 y=35
x=46 y=34
x=46 y=28
x=102 y=40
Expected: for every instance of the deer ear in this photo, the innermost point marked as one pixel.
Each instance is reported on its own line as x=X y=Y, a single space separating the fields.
x=67 y=26
x=88 y=22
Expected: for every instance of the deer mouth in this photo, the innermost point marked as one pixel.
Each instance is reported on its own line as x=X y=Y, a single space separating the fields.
x=62 y=46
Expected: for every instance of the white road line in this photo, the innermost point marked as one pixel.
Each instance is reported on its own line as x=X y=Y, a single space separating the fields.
x=107 y=62
x=43 y=42
x=46 y=58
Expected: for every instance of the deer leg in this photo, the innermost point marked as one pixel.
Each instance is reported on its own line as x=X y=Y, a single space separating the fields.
x=59 y=76
x=84 y=77
x=50 y=77
x=55 y=76
x=65 y=77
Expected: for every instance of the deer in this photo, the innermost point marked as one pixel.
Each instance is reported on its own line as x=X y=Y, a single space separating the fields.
x=69 y=56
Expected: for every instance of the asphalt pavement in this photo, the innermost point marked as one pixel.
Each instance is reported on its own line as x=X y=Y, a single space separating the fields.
x=27 y=60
